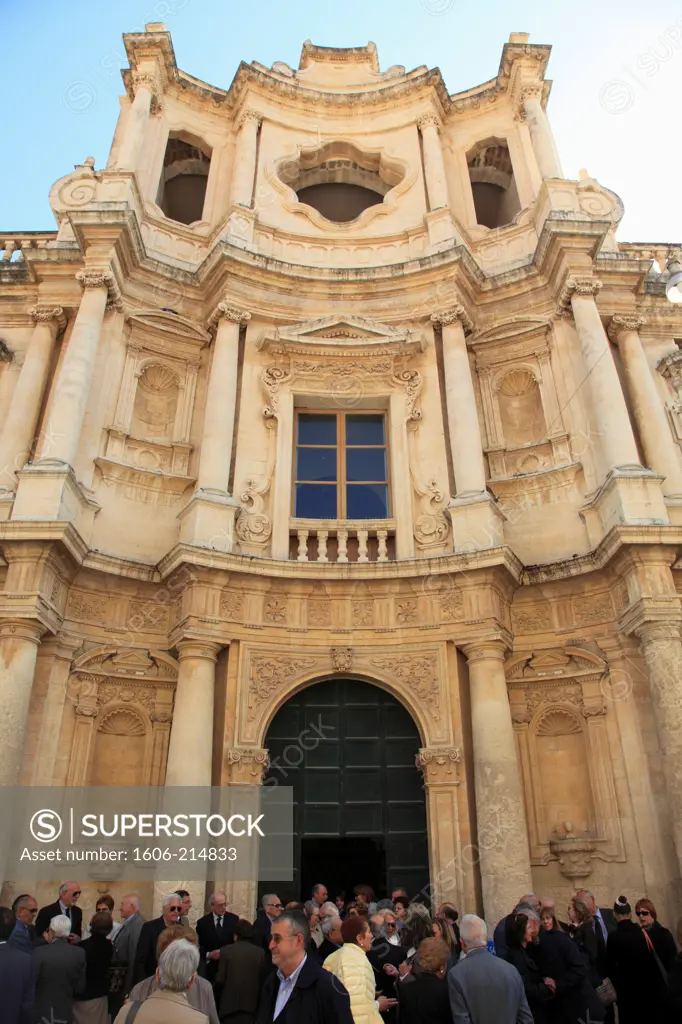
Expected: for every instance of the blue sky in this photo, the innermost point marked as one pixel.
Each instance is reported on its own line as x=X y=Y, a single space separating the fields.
x=616 y=66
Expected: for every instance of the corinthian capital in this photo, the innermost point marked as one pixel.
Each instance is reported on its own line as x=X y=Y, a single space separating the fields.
x=250 y=115
x=48 y=314
x=224 y=311
x=578 y=286
x=428 y=121
x=452 y=315
x=145 y=80
x=95 y=278
x=621 y=324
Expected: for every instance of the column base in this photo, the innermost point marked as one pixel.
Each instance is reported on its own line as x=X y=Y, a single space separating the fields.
x=477 y=522
x=49 y=491
x=241 y=227
x=440 y=226
x=208 y=519
x=629 y=496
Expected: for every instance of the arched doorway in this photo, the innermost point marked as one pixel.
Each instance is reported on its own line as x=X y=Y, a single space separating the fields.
x=348 y=750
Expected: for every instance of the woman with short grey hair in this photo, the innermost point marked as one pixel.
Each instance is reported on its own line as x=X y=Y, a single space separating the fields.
x=176 y=977
x=178 y=965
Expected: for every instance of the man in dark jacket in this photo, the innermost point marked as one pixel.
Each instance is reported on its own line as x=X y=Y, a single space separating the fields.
x=66 y=905
x=271 y=909
x=16 y=976
x=145 y=955
x=528 y=902
x=24 y=936
x=59 y=972
x=331 y=929
x=240 y=978
x=215 y=930
x=301 y=992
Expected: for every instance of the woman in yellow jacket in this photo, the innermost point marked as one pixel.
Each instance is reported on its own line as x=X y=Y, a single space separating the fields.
x=350 y=965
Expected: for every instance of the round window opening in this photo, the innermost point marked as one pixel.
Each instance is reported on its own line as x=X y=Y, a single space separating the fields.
x=339 y=180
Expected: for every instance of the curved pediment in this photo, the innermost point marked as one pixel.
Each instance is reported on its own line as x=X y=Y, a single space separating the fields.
x=166 y=323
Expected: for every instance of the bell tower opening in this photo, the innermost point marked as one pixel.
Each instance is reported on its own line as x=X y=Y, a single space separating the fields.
x=348 y=750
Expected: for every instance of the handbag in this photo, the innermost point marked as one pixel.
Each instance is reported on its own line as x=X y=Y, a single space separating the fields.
x=606 y=992
x=116 y=979
x=664 y=973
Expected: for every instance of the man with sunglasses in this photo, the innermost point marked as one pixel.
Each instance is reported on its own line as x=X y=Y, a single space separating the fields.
x=271 y=908
x=145 y=955
x=69 y=893
x=24 y=936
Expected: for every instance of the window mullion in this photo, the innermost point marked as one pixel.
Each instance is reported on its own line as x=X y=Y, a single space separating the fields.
x=341 y=463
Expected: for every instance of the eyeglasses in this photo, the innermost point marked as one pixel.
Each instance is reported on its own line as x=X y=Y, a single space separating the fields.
x=75 y=895
x=175 y=908
x=277 y=906
x=390 y=924
x=33 y=910
x=643 y=913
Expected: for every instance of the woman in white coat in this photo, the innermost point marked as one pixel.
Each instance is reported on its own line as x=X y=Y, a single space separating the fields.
x=350 y=965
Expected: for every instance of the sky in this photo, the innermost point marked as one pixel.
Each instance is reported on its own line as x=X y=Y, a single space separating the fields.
x=614 y=107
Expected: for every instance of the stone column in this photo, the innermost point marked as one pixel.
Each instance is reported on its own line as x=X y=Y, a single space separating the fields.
x=540 y=132
x=500 y=811
x=465 y=433
x=660 y=450
x=434 y=166
x=136 y=127
x=244 y=168
x=73 y=383
x=221 y=401
x=246 y=766
x=662 y=649
x=190 y=750
x=22 y=417
x=19 y=641
x=440 y=766
x=607 y=411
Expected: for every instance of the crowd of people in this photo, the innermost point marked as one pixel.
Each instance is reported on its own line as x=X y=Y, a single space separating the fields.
x=357 y=961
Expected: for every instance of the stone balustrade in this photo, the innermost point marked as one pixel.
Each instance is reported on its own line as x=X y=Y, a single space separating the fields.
x=12 y=247
x=342 y=540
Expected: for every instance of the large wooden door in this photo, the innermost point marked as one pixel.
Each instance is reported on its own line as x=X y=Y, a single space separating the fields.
x=348 y=750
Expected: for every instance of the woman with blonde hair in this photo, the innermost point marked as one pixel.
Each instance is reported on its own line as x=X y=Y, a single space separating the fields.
x=350 y=965
x=442 y=929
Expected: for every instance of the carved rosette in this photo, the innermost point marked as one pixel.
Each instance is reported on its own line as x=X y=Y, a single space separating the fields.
x=439 y=765
x=623 y=324
x=48 y=315
x=247 y=765
x=582 y=286
x=342 y=658
x=456 y=313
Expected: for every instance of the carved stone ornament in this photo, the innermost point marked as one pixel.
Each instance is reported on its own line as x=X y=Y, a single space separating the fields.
x=270 y=673
x=622 y=324
x=224 y=311
x=253 y=526
x=428 y=121
x=418 y=672
x=453 y=315
x=250 y=115
x=574 y=854
x=578 y=286
x=342 y=659
x=102 y=279
x=48 y=314
x=432 y=527
x=247 y=765
x=439 y=765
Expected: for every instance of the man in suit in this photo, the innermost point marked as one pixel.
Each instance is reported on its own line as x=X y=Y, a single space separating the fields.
x=604 y=924
x=24 y=936
x=59 y=972
x=66 y=906
x=319 y=894
x=215 y=930
x=125 y=947
x=271 y=908
x=16 y=976
x=240 y=977
x=301 y=991
x=484 y=989
x=331 y=929
x=145 y=955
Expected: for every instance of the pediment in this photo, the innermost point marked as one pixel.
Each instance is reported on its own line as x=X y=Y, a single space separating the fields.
x=343 y=333
x=564 y=662
x=169 y=324
x=513 y=328
x=128 y=662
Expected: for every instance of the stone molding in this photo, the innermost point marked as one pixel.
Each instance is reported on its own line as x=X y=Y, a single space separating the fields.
x=21 y=629
x=193 y=648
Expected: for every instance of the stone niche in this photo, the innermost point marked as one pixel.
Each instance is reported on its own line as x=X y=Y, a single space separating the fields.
x=148 y=447
x=559 y=713
x=123 y=704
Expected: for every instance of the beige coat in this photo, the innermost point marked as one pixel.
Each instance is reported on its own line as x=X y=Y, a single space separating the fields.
x=351 y=966
x=164 y=1008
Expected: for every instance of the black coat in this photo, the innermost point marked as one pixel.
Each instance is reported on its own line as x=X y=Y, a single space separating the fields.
x=426 y=1001
x=575 y=998
x=145 y=954
x=241 y=975
x=45 y=915
x=325 y=949
x=586 y=941
x=16 y=986
x=318 y=998
x=664 y=944
x=261 y=934
x=675 y=989
x=632 y=969
x=98 y=953
x=537 y=993
x=211 y=938
x=60 y=976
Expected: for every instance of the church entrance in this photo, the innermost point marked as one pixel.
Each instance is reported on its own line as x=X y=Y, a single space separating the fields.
x=348 y=750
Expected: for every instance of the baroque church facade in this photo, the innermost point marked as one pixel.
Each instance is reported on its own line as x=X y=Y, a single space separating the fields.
x=331 y=395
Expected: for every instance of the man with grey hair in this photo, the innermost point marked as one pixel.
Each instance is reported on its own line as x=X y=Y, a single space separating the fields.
x=59 y=969
x=484 y=989
x=328 y=909
x=145 y=955
x=66 y=905
x=331 y=930
x=125 y=948
x=215 y=930
x=175 y=975
x=271 y=908
x=24 y=936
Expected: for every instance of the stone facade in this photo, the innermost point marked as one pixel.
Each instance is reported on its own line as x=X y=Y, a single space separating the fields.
x=160 y=598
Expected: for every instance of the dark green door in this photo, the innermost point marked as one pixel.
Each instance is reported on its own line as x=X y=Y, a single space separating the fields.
x=348 y=750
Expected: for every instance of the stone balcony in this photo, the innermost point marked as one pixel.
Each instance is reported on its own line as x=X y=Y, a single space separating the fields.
x=342 y=540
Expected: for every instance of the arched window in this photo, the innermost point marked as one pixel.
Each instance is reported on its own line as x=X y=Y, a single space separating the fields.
x=182 y=188
x=496 y=199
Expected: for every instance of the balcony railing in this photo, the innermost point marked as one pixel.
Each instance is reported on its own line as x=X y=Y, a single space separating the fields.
x=13 y=246
x=342 y=540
